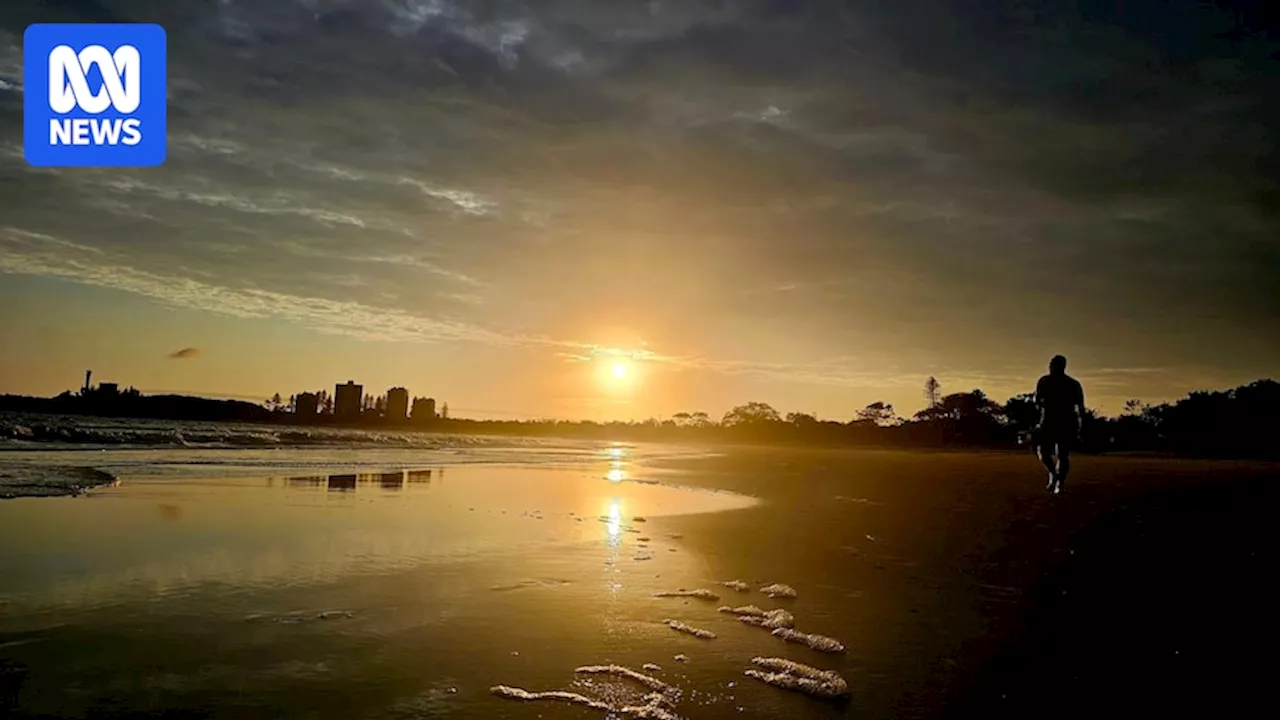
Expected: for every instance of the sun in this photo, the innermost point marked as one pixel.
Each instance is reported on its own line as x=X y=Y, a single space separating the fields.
x=619 y=371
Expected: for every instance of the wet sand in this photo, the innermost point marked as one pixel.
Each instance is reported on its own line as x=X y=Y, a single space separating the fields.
x=942 y=574
x=964 y=590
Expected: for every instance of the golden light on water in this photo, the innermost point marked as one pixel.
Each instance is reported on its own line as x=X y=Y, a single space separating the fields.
x=613 y=527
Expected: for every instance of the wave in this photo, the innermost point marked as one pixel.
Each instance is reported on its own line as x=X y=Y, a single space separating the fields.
x=20 y=480
x=18 y=430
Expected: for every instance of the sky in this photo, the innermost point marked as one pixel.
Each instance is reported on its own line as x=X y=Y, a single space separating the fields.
x=812 y=204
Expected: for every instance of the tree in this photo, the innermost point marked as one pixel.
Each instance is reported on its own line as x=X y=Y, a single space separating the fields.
x=682 y=419
x=700 y=419
x=801 y=420
x=753 y=413
x=931 y=389
x=274 y=404
x=878 y=412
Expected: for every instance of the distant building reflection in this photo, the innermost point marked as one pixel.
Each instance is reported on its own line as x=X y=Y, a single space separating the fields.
x=342 y=483
x=348 y=482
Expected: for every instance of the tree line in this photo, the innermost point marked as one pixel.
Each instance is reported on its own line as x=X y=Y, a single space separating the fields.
x=1240 y=422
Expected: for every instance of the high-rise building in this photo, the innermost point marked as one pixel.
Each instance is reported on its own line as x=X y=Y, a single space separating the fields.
x=424 y=409
x=306 y=405
x=347 y=399
x=397 y=404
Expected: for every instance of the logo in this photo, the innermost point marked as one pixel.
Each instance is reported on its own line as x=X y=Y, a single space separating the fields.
x=94 y=95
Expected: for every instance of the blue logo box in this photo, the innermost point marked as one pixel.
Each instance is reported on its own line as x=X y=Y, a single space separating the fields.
x=95 y=95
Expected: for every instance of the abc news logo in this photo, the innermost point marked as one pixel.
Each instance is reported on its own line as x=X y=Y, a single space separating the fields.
x=95 y=95
x=69 y=89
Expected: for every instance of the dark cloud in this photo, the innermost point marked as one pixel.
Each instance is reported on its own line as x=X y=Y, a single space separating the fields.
x=966 y=180
x=185 y=353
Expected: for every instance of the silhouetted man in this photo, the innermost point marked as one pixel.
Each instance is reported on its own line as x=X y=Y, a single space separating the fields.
x=1060 y=399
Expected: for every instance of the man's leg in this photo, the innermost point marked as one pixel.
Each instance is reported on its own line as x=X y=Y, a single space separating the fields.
x=1064 y=464
x=1045 y=451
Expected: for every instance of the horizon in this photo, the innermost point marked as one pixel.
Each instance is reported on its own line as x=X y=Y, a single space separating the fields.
x=577 y=210
x=484 y=415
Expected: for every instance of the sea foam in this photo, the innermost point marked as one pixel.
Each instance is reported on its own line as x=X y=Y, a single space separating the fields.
x=648 y=681
x=691 y=630
x=777 y=590
x=752 y=615
x=699 y=593
x=792 y=675
x=821 y=643
x=515 y=693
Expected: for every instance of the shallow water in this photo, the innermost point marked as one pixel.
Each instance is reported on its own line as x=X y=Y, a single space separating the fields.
x=238 y=590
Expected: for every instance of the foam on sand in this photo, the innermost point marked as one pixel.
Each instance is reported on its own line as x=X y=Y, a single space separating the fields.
x=777 y=590
x=691 y=630
x=791 y=675
x=699 y=593
x=821 y=643
x=648 y=681
x=651 y=667
x=738 y=585
x=515 y=693
x=752 y=615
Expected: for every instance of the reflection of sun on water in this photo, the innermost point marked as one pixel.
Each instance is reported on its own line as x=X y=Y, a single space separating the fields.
x=617 y=459
x=613 y=527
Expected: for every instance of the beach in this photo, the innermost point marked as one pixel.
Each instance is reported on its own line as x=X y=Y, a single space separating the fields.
x=409 y=582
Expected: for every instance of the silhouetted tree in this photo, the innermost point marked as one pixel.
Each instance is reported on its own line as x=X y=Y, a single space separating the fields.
x=931 y=389
x=878 y=413
x=752 y=413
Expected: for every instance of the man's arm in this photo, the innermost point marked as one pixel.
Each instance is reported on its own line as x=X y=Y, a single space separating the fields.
x=1079 y=408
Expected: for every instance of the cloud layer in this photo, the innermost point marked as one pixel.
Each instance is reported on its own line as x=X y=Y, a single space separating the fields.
x=821 y=192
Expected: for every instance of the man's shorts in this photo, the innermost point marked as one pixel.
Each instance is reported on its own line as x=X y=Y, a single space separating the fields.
x=1055 y=440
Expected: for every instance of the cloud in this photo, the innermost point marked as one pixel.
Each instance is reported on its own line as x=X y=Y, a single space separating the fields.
x=185 y=353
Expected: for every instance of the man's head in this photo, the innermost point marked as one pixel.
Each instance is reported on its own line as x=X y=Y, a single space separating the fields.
x=1057 y=365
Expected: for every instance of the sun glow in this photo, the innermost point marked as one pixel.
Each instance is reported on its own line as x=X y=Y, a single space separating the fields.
x=619 y=370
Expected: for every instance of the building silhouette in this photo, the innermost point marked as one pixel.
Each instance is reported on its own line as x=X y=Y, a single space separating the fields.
x=397 y=407
x=424 y=409
x=306 y=405
x=347 y=400
x=109 y=388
